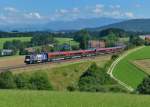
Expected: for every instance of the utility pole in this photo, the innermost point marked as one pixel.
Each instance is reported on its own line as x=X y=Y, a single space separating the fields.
x=70 y=45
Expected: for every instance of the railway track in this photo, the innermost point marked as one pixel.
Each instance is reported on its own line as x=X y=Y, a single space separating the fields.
x=3 y=69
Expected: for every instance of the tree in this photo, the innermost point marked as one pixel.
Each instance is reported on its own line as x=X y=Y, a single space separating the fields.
x=111 y=40
x=136 y=40
x=22 y=81
x=39 y=81
x=42 y=40
x=144 y=87
x=82 y=37
x=7 y=80
x=93 y=79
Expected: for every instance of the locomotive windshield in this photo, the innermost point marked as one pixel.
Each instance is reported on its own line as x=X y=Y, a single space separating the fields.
x=27 y=57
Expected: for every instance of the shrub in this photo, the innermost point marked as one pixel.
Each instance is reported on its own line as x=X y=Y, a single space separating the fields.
x=93 y=79
x=22 y=81
x=144 y=87
x=39 y=81
x=114 y=57
x=71 y=88
x=7 y=80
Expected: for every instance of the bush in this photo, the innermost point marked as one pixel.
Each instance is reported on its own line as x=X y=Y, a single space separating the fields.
x=39 y=81
x=117 y=88
x=94 y=79
x=114 y=57
x=7 y=80
x=144 y=87
x=71 y=88
x=22 y=81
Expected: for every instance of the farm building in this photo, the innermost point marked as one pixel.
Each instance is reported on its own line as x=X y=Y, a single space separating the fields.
x=6 y=52
x=97 y=44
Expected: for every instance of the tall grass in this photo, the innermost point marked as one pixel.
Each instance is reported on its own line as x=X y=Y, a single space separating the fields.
x=9 y=98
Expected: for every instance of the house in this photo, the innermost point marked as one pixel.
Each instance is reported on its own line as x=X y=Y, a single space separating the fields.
x=97 y=44
x=147 y=38
x=30 y=50
x=6 y=52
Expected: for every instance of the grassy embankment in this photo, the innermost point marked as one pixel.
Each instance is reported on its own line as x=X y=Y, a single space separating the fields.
x=127 y=72
x=64 y=74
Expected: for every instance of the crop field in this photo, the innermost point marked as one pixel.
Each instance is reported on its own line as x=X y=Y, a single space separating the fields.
x=64 y=74
x=3 y=40
x=143 y=64
x=16 y=98
x=128 y=72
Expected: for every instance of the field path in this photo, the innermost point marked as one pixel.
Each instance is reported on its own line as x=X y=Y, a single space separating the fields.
x=113 y=65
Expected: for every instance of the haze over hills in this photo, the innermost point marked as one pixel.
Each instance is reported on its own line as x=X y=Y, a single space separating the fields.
x=135 y=25
x=61 y=25
x=93 y=24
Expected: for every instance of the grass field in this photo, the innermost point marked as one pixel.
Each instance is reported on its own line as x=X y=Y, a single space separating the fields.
x=66 y=40
x=64 y=74
x=3 y=40
x=60 y=40
x=13 y=98
x=127 y=72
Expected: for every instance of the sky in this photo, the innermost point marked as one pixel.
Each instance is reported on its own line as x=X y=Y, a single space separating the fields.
x=43 y=11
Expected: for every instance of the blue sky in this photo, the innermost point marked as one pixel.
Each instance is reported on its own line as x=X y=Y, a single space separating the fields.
x=18 y=11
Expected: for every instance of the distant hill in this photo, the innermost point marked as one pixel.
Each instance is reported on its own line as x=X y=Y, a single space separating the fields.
x=81 y=23
x=61 y=25
x=135 y=25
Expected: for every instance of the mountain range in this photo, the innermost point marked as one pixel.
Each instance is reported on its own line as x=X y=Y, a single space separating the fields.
x=93 y=24
x=134 y=25
x=61 y=25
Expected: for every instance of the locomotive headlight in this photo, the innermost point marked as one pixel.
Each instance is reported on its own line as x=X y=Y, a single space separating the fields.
x=27 y=59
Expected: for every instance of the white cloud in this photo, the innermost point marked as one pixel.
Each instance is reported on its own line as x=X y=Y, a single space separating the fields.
x=63 y=11
x=98 y=9
x=129 y=14
x=75 y=10
x=13 y=15
x=32 y=15
x=115 y=6
x=10 y=9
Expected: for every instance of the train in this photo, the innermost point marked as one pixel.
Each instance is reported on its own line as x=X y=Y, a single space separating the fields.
x=64 y=55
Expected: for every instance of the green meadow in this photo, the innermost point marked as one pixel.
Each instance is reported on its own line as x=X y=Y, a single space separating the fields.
x=3 y=40
x=127 y=72
x=16 y=98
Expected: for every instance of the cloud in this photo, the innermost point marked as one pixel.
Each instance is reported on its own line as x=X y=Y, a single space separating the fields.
x=129 y=15
x=2 y=17
x=13 y=15
x=115 y=6
x=33 y=15
x=75 y=10
x=98 y=8
x=10 y=9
